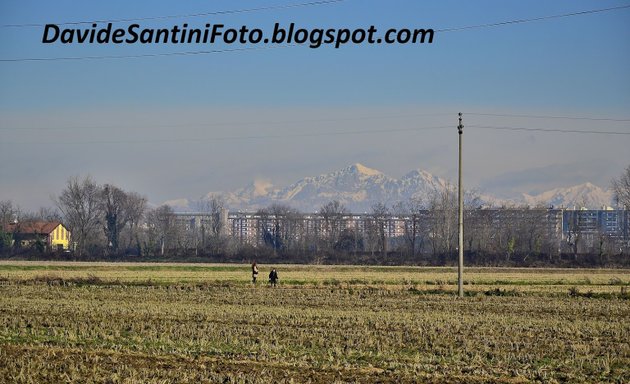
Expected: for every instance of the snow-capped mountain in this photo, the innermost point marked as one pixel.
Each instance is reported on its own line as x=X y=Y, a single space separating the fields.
x=359 y=188
x=583 y=195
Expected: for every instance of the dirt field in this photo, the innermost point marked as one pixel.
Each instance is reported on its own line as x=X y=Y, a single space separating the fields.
x=157 y=323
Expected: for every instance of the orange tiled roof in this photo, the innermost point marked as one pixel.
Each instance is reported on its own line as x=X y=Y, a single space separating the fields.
x=33 y=227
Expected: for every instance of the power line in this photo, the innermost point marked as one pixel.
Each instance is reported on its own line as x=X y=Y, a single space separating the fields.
x=230 y=138
x=558 y=130
x=549 y=117
x=541 y=18
x=307 y=121
x=186 y=53
x=319 y=134
x=242 y=123
x=202 y=14
x=190 y=53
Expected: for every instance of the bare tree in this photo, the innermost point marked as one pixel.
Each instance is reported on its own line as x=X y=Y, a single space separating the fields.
x=443 y=208
x=8 y=212
x=537 y=233
x=121 y=210
x=296 y=230
x=114 y=206
x=411 y=211
x=162 y=229
x=136 y=208
x=265 y=232
x=377 y=226
x=279 y=226
x=47 y=214
x=621 y=189
x=283 y=217
x=211 y=233
x=80 y=206
x=332 y=214
x=217 y=210
x=479 y=225
x=41 y=214
x=574 y=234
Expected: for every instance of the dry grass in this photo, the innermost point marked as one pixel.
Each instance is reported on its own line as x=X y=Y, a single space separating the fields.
x=159 y=323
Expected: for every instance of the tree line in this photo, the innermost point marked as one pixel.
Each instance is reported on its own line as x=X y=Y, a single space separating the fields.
x=109 y=222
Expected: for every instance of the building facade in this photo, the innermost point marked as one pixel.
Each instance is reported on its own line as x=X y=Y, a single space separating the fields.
x=527 y=230
x=52 y=234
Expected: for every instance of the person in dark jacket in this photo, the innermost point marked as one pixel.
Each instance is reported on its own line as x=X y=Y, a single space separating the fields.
x=273 y=277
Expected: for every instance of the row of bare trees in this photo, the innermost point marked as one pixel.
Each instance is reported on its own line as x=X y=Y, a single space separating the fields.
x=103 y=216
x=107 y=220
x=412 y=228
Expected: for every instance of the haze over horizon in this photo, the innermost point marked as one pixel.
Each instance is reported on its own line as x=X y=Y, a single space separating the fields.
x=183 y=126
x=359 y=188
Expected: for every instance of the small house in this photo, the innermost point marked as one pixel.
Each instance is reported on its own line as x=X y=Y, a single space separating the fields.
x=52 y=234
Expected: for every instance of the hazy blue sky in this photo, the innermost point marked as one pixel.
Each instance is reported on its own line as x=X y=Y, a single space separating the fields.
x=181 y=126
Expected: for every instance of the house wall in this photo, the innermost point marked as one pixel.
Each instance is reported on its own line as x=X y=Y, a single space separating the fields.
x=59 y=236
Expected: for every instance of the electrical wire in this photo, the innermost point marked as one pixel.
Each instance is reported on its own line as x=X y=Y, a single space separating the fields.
x=146 y=55
x=332 y=120
x=189 y=53
x=231 y=138
x=241 y=123
x=548 y=117
x=202 y=14
x=541 y=18
x=331 y=133
x=557 y=130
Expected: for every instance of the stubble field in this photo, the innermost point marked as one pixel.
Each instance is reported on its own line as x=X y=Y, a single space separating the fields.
x=162 y=323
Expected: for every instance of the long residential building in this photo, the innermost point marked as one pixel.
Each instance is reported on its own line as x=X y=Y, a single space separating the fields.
x=556 y=228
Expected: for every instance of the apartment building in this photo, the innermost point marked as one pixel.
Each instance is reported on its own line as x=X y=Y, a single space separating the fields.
x=557 y=227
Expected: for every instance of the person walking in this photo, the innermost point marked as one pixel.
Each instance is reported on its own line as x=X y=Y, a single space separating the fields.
x=273 y=277
x=254 y=272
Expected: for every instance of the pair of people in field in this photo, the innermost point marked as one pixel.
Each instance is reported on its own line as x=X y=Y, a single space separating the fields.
x=273 y=275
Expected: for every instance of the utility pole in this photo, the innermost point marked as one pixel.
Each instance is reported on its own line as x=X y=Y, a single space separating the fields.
x=460 y=220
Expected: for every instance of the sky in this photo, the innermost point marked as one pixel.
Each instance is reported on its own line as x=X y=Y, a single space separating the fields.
x=180 y=126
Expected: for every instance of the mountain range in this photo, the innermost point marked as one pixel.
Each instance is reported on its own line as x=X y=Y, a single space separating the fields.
x=359 y=188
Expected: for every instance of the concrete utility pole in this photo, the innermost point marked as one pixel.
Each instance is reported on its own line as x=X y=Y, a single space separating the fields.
x=460 y=266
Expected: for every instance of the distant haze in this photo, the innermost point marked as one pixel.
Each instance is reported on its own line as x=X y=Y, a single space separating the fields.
x=180 y=126
x=359 y=188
